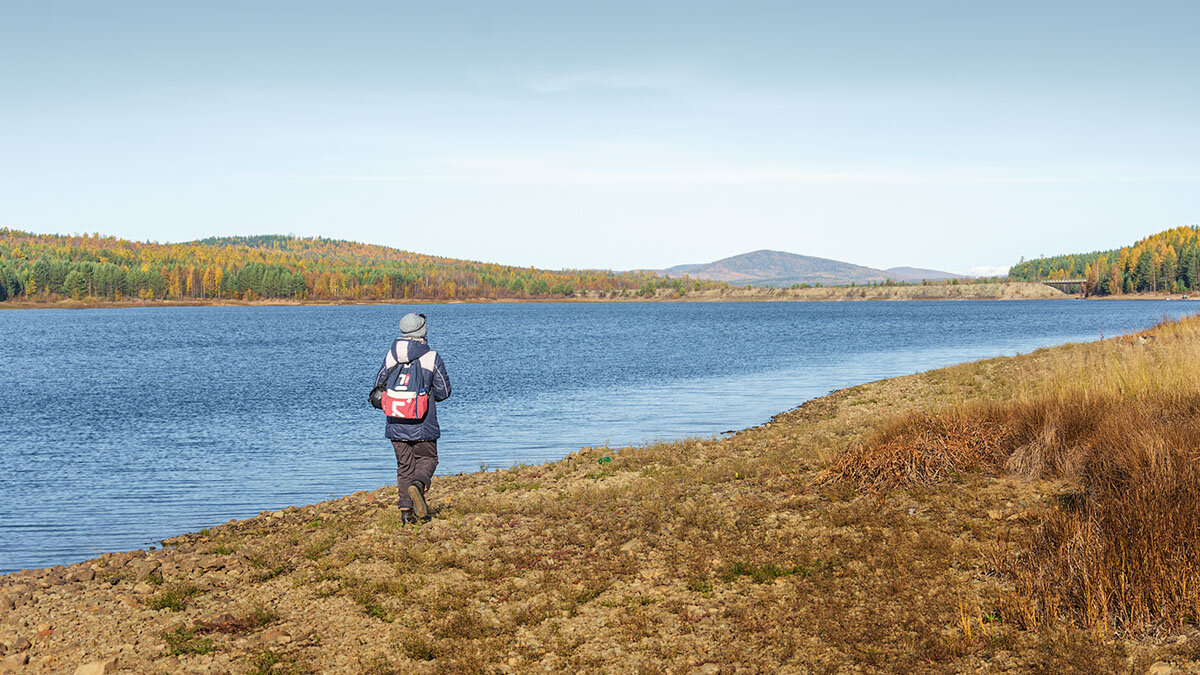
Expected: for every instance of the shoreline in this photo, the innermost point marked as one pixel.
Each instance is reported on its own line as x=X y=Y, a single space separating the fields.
x=153 y=543
x=655 y=560
x=941 y=292
x=159 y=544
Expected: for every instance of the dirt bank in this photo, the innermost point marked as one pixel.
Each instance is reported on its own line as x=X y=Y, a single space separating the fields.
x=1006 y=291
x=1000 y=291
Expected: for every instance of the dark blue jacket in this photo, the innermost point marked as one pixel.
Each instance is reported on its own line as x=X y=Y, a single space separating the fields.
x=403 y=351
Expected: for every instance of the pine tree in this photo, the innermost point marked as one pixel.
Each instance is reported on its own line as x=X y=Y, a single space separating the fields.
x=74 y=285
x=1170 y=266
x=1146 y=277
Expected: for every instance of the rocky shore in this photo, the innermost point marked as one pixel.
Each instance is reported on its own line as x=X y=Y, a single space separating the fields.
x=703 y=555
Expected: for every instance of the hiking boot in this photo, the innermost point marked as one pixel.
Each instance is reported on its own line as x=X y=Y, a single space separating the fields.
x=407 y=517
x=417 y=492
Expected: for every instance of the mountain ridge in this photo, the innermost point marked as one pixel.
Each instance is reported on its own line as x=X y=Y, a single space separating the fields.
x=767 y=267
x=922 y=274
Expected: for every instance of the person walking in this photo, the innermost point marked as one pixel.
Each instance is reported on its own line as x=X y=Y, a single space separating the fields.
x=415 y=440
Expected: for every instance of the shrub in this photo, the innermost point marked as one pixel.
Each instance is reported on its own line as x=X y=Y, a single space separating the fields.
x=184 y=641
x=174 y=598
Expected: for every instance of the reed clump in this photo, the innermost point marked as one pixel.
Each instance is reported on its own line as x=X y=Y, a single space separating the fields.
x=1119 y=421
x=923 y=449
x=1122 y=551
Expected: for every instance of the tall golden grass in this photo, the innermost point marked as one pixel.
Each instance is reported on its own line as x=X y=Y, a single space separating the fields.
x=1120 y=421
x=1124 y=550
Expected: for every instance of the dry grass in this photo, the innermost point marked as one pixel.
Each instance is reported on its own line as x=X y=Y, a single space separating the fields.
x=1120 y=421
x=228 y=623
x=923 y=449
x=1123 y=552
x=905 y=525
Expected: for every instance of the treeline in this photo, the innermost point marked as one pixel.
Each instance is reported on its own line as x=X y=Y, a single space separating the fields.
x=36 y=267
x=1165 y=262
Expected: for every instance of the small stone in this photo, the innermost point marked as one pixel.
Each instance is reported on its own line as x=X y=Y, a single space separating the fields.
x=277 y=636
x=7 y=602
x=98 y=667
x=1161 y=668
x=144 y=570
x=14 y=660
x=85 y=574
x=20 y=644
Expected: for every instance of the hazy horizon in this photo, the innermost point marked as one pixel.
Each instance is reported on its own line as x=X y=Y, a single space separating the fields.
x=618 y=136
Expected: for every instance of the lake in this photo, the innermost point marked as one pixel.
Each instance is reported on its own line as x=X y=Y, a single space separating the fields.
x=124 y=426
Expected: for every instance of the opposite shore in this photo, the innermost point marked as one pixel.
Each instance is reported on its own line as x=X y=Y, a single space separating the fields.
x=966 y=291
x=936 y=292
x=884 y=527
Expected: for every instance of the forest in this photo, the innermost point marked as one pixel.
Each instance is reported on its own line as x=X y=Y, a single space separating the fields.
x=1167 y=262
x=49 y=268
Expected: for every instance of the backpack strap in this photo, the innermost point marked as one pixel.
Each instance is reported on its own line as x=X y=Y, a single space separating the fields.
x=395 y=363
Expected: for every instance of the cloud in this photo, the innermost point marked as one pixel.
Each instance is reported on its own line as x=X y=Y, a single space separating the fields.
x=988 y=271
x=572 y=171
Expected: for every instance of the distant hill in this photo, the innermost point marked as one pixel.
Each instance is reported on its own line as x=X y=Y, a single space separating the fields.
x=780 y=269
x=923 y=274
x=51 y=267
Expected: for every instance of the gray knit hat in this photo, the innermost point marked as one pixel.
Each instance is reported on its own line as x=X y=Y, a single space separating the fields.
x=412 y=326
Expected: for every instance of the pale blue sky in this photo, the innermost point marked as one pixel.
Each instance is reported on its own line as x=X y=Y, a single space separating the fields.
x=951 y=135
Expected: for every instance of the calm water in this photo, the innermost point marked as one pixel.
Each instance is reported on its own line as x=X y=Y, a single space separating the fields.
x=123 y=426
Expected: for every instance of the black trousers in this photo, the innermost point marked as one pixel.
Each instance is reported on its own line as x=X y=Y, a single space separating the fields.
x=415 y=462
